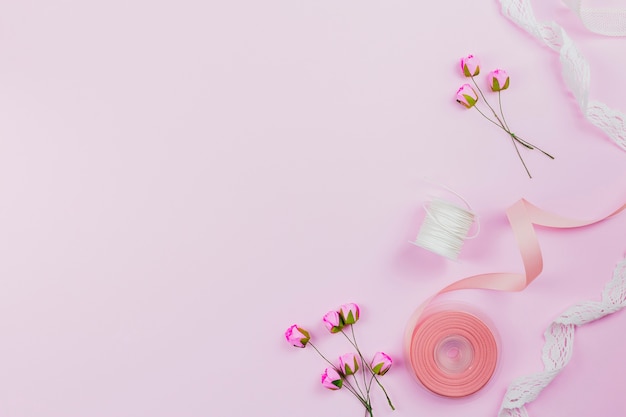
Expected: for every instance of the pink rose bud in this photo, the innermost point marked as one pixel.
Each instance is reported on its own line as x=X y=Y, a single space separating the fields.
x=349 y=363
x=297 y=336
x=498 y=80
x=333 y=322
x=470 y=66
x=381 y=363
x=331 y=379
x=349 y=313
x=466 y=96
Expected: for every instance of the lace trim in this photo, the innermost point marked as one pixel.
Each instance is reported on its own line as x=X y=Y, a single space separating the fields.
x=575 y=69
x=559 y=344
x=608 y=22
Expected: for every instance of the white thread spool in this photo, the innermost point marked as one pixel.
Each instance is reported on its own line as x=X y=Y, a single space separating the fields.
x=446 y=227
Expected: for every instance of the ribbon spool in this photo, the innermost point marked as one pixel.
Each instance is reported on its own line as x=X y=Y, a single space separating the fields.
x=445 y=227
x=453 y=352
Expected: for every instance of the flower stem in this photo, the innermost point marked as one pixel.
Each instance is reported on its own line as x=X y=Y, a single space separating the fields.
x=506 y=128
x=356 y=381
x=491 y=120
x=501 y=112
x=517 y=138
x=525 y=143
x=502 y=124
x=520 y=155
x=487 y=103
x=367 y=365
x=514 y=138
x=349 y=387
x=370 y=383
x=323 y=357
x=513 y=135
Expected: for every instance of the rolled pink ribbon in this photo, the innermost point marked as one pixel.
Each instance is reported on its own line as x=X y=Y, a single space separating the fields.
x=454 y=353
x=422 y=334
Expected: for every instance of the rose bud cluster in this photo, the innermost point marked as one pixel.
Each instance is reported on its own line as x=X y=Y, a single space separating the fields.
x=343 y=375
x=498 y=81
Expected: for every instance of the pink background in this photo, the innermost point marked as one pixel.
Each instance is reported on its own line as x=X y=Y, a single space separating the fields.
x=180 y=181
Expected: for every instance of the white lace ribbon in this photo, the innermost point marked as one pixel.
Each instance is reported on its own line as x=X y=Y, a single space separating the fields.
x=559 y=343
x=575 y=69
x=608 y=22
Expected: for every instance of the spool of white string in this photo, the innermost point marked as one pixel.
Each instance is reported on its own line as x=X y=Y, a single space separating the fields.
x=445 y=228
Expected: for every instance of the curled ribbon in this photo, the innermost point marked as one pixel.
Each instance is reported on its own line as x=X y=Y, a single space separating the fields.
x=522 y=216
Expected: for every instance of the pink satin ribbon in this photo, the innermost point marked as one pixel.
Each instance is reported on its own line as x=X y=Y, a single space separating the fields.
x=522 y=216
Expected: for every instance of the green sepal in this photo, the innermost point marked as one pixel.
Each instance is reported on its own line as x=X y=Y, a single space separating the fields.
x=470 y=100
x=304 y=340
x=506 y=84
x=350 y=319
x=377 y=369
x=338 y=383
x=496 y=85
x=466 y=71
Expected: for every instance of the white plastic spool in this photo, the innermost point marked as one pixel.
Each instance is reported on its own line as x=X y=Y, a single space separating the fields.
x=446 y=227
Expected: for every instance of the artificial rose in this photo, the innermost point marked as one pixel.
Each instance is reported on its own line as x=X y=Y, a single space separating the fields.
x=466 y=96
x=349 y=363
x=498 y=80
x=470 y=66
x=331 y=379
x=333 y=321
x=349 y=313
x=381 y=362
x=297 y=336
